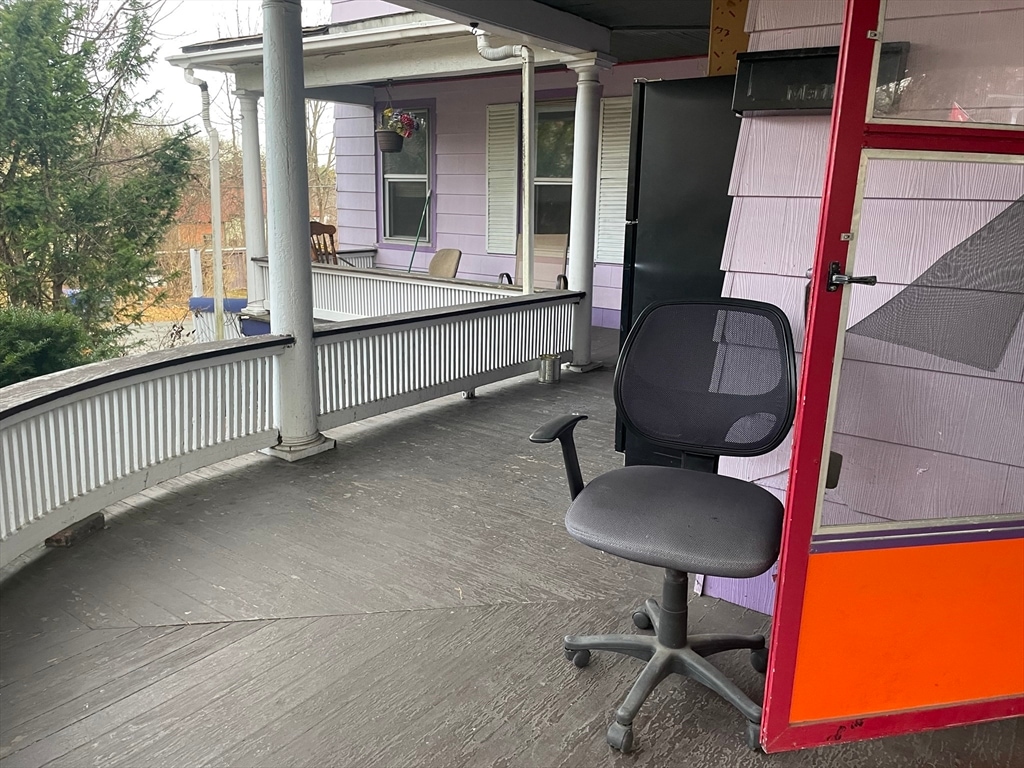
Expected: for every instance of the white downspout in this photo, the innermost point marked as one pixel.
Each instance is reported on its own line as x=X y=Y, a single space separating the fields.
x=484 y=48
x=215 y=216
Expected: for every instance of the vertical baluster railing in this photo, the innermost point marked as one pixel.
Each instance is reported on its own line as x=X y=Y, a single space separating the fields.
x=72 y=448
x=372 y=366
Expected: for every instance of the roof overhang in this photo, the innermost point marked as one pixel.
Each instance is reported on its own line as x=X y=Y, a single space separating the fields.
x=523 y=21
x=344 y=62
x=622 y=30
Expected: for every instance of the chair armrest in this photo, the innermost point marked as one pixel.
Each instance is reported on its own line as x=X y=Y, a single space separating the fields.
x=556 y=428
x=560 y=429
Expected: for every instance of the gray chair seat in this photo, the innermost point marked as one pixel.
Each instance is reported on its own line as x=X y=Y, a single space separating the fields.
x=689 y=521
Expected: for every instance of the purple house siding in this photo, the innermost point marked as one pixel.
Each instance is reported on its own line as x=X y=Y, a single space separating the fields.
x=906 y=456
x=354 y=10
x=459 y=116
x=357 y=176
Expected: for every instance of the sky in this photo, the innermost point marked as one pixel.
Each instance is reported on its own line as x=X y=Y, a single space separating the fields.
x=184 y=22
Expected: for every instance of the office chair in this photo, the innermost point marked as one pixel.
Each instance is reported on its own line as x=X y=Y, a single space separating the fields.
x=707 y=378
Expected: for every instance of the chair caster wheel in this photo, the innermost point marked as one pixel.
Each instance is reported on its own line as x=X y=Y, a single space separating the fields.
x=579 y=658
x=754 y=736
x=759 y=660
x=641 y=620
x=620 y=737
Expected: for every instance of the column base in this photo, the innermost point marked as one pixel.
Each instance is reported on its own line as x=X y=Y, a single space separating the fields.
x=299 y=452
x=593 y=365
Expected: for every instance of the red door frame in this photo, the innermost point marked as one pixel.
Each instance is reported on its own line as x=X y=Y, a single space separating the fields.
x=850 y=133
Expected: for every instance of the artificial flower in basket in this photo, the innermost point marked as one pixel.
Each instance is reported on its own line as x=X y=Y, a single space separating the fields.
x=395 y=127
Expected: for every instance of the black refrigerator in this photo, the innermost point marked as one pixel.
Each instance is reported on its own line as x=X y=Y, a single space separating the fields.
x=682 y=146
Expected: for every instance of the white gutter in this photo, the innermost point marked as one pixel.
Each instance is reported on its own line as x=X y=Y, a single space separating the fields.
x=215 y=216
x=484 y=48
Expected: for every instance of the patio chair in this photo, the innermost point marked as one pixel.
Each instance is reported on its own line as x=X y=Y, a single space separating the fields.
x=550 y=254
x=707 y=378
x=445 y=263
x=321 y=241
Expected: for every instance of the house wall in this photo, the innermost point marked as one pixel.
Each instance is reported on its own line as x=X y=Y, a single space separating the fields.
x=354 y=10
x=459 y=123
x=919 y=434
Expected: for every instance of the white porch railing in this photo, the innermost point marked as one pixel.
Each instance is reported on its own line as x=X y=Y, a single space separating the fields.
x=359 y=259
x=342 y=293
x=371 y=367
x=76 y=441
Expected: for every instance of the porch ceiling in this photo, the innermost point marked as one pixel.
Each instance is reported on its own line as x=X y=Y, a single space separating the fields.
x=625 y=29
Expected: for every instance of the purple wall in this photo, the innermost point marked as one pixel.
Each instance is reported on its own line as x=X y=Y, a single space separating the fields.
x=354 y=10
x=459 y=120
x=921 y=436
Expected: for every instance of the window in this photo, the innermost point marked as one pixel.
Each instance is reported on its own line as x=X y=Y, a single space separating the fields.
x=406 y=183
x=553 y=183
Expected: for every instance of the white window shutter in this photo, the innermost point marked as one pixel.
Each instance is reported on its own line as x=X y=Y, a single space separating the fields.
x=502 y=177
x=612 y=179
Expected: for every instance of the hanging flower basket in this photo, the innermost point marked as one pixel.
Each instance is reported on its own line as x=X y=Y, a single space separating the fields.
x=395 y=126
x=388 y=140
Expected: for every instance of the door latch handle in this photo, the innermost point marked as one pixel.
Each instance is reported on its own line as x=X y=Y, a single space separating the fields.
x=836 y=278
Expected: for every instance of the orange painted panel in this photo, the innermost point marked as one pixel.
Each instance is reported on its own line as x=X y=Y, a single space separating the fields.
x=890 y=630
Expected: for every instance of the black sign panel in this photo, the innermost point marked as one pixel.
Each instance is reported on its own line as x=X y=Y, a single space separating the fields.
x=804 y=78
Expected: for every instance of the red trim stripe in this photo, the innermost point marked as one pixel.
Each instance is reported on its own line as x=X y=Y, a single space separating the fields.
x=937 y=138
x=806 y=735
x=839 y=195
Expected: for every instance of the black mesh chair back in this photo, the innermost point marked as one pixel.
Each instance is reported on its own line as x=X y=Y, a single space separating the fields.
x=709 y=377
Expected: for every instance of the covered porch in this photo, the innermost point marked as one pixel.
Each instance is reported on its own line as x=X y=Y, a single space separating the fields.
x=397 y=602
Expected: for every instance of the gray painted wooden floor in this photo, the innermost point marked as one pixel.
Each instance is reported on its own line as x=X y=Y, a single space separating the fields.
x=396 y=602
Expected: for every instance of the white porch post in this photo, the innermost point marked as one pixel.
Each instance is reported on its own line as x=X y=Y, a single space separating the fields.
x=583 y=213
x=291 y=282
x=252 y=187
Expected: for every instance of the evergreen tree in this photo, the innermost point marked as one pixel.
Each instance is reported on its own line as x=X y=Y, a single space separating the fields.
x=87 y=187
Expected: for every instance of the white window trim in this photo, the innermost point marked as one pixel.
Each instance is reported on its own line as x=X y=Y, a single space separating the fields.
x=553 y=181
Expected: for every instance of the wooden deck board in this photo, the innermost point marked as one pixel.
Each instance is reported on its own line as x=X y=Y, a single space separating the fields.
x=397 y=602
x=95 y=697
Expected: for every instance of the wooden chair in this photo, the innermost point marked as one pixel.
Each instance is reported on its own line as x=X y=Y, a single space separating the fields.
x=321 y=243
x=550 y=255
x=445 y=263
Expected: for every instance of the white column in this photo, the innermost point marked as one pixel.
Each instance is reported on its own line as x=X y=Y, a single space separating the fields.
x=583 y=213
x=529 y=171
x=252 y=187
x=291 y=281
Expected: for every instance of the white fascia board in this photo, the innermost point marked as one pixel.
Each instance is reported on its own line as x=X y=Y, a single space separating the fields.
x=523 y=21
x=229 y=58
x=432 y=59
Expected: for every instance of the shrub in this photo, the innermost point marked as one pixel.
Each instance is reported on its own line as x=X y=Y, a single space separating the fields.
x=34 y=342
